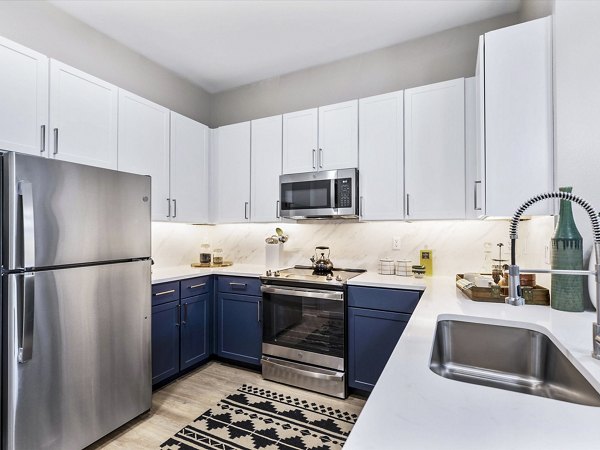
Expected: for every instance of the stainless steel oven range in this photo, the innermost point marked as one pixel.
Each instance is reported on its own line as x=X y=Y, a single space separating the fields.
x=304 y=328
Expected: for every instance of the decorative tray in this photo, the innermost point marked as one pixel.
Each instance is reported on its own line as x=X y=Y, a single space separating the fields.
x=203 y=266
x=537 y=295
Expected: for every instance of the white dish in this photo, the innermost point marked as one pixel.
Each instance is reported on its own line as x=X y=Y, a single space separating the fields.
x=592 y=280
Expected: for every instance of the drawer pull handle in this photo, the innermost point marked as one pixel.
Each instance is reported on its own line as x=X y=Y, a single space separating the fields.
x=238 y=285
x=194 y=286
x=165 y=292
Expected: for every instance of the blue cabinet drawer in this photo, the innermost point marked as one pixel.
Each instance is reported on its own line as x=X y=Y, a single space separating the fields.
x=195 y=286
x=165 y=292
x=240 y=285
x=395 y=300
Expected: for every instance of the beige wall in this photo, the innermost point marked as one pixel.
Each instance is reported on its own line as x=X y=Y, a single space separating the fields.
x=48 y=30
x=438 y=57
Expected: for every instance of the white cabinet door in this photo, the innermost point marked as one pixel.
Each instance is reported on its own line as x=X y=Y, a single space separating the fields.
x=266 y=168
x=473 y=181
x=144 y=147
x=83 y=117
x=232 y=166
x=189 y=170
x=338 y=136
x=435 y=151
x=479 y=181
x=23 y=99
x=381 y=157
x=518 y=117
x=300 y=141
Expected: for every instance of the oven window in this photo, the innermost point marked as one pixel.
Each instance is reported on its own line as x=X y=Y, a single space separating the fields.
x=304 y=323
x=314 y=194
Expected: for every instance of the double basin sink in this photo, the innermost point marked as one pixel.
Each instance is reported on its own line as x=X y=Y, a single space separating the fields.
x=511 y=358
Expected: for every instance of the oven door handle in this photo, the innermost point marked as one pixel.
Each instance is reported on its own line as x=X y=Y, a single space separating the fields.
x=327 y=295
x=330 y=376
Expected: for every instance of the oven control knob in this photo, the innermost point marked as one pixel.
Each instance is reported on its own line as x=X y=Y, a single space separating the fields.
x=338 y=278
x=276 y=273
x=269 y=273
x=329 y=277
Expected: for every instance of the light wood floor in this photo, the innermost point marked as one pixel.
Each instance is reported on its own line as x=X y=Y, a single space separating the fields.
x=180 y=402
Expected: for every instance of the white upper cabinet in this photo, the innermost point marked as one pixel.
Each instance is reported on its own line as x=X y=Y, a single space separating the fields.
x=23 y=99
x=266 y=168
x=435 y=151
x=473 y=194
x=323 y=138
x=381 y=157
x=231 y=178
x=189 y=170
x=300 y=141
x=144 y=147
x=518 y=117
x=83 y=117
x=338 y=136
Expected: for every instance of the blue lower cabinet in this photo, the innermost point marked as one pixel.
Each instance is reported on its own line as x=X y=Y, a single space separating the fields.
x=195 y=330
x=239 y=327
x=165 y=341
x=372 y=336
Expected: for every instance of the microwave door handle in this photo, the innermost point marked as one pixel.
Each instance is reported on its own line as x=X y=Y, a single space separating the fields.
x=333 y=195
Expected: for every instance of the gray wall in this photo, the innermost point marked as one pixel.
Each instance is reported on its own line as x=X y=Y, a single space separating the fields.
x=438 y=57
x=577 y=96
x=47 y=29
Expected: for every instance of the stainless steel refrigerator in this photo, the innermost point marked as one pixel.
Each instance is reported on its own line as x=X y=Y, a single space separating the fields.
x=76 y=356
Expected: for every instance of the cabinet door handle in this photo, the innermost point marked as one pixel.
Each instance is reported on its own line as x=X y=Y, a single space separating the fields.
x=475 y=207
x=321 y=158
x=169 y=207
x=314 y=159
x=164 y=292
x=360 y=206
x=185 y=308
x=194 y=286
x=55 y=141
x=258 y=315
x=43 y=139
x=246 y=210
x=277 y=213
x=174 y=207
x=408 y=204
x=178 y=323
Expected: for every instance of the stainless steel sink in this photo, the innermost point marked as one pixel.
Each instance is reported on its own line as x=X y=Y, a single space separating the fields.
x=505 y=357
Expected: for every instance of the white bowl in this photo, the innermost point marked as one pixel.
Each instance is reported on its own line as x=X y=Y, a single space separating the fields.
x=592 y=280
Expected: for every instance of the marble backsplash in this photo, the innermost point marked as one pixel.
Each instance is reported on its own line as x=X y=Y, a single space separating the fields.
x=458 y=246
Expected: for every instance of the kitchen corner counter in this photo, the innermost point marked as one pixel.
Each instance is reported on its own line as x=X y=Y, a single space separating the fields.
x=373 y=279
x=165 y=274
x=412 y=407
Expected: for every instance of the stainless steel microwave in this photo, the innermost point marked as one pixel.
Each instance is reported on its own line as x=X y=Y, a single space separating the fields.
x=318 y=195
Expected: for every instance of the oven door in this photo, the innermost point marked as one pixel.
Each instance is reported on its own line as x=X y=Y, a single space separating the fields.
x=304 y=325
x=312 y=197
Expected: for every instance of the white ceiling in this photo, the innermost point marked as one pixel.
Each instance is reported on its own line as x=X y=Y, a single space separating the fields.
x=220 y=45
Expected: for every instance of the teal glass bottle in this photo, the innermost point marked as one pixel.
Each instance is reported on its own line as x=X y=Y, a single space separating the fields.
x=567 y=253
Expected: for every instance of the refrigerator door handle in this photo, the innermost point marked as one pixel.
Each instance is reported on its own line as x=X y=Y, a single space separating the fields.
x=25 y=190
x=25 y=320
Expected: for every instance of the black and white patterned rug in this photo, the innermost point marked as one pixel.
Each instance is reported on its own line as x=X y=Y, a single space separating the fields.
x=257 y=418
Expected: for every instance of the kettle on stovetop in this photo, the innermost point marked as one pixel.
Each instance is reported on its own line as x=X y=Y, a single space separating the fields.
x=322 y=265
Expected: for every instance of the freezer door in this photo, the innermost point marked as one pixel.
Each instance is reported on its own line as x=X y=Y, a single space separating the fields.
x=82 y=366
x=68 y=213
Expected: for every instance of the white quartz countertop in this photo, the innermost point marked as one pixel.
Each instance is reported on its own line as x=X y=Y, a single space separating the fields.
x=165 y=274
x=411 y=407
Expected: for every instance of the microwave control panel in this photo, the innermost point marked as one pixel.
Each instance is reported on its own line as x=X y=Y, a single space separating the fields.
x=344 y=192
